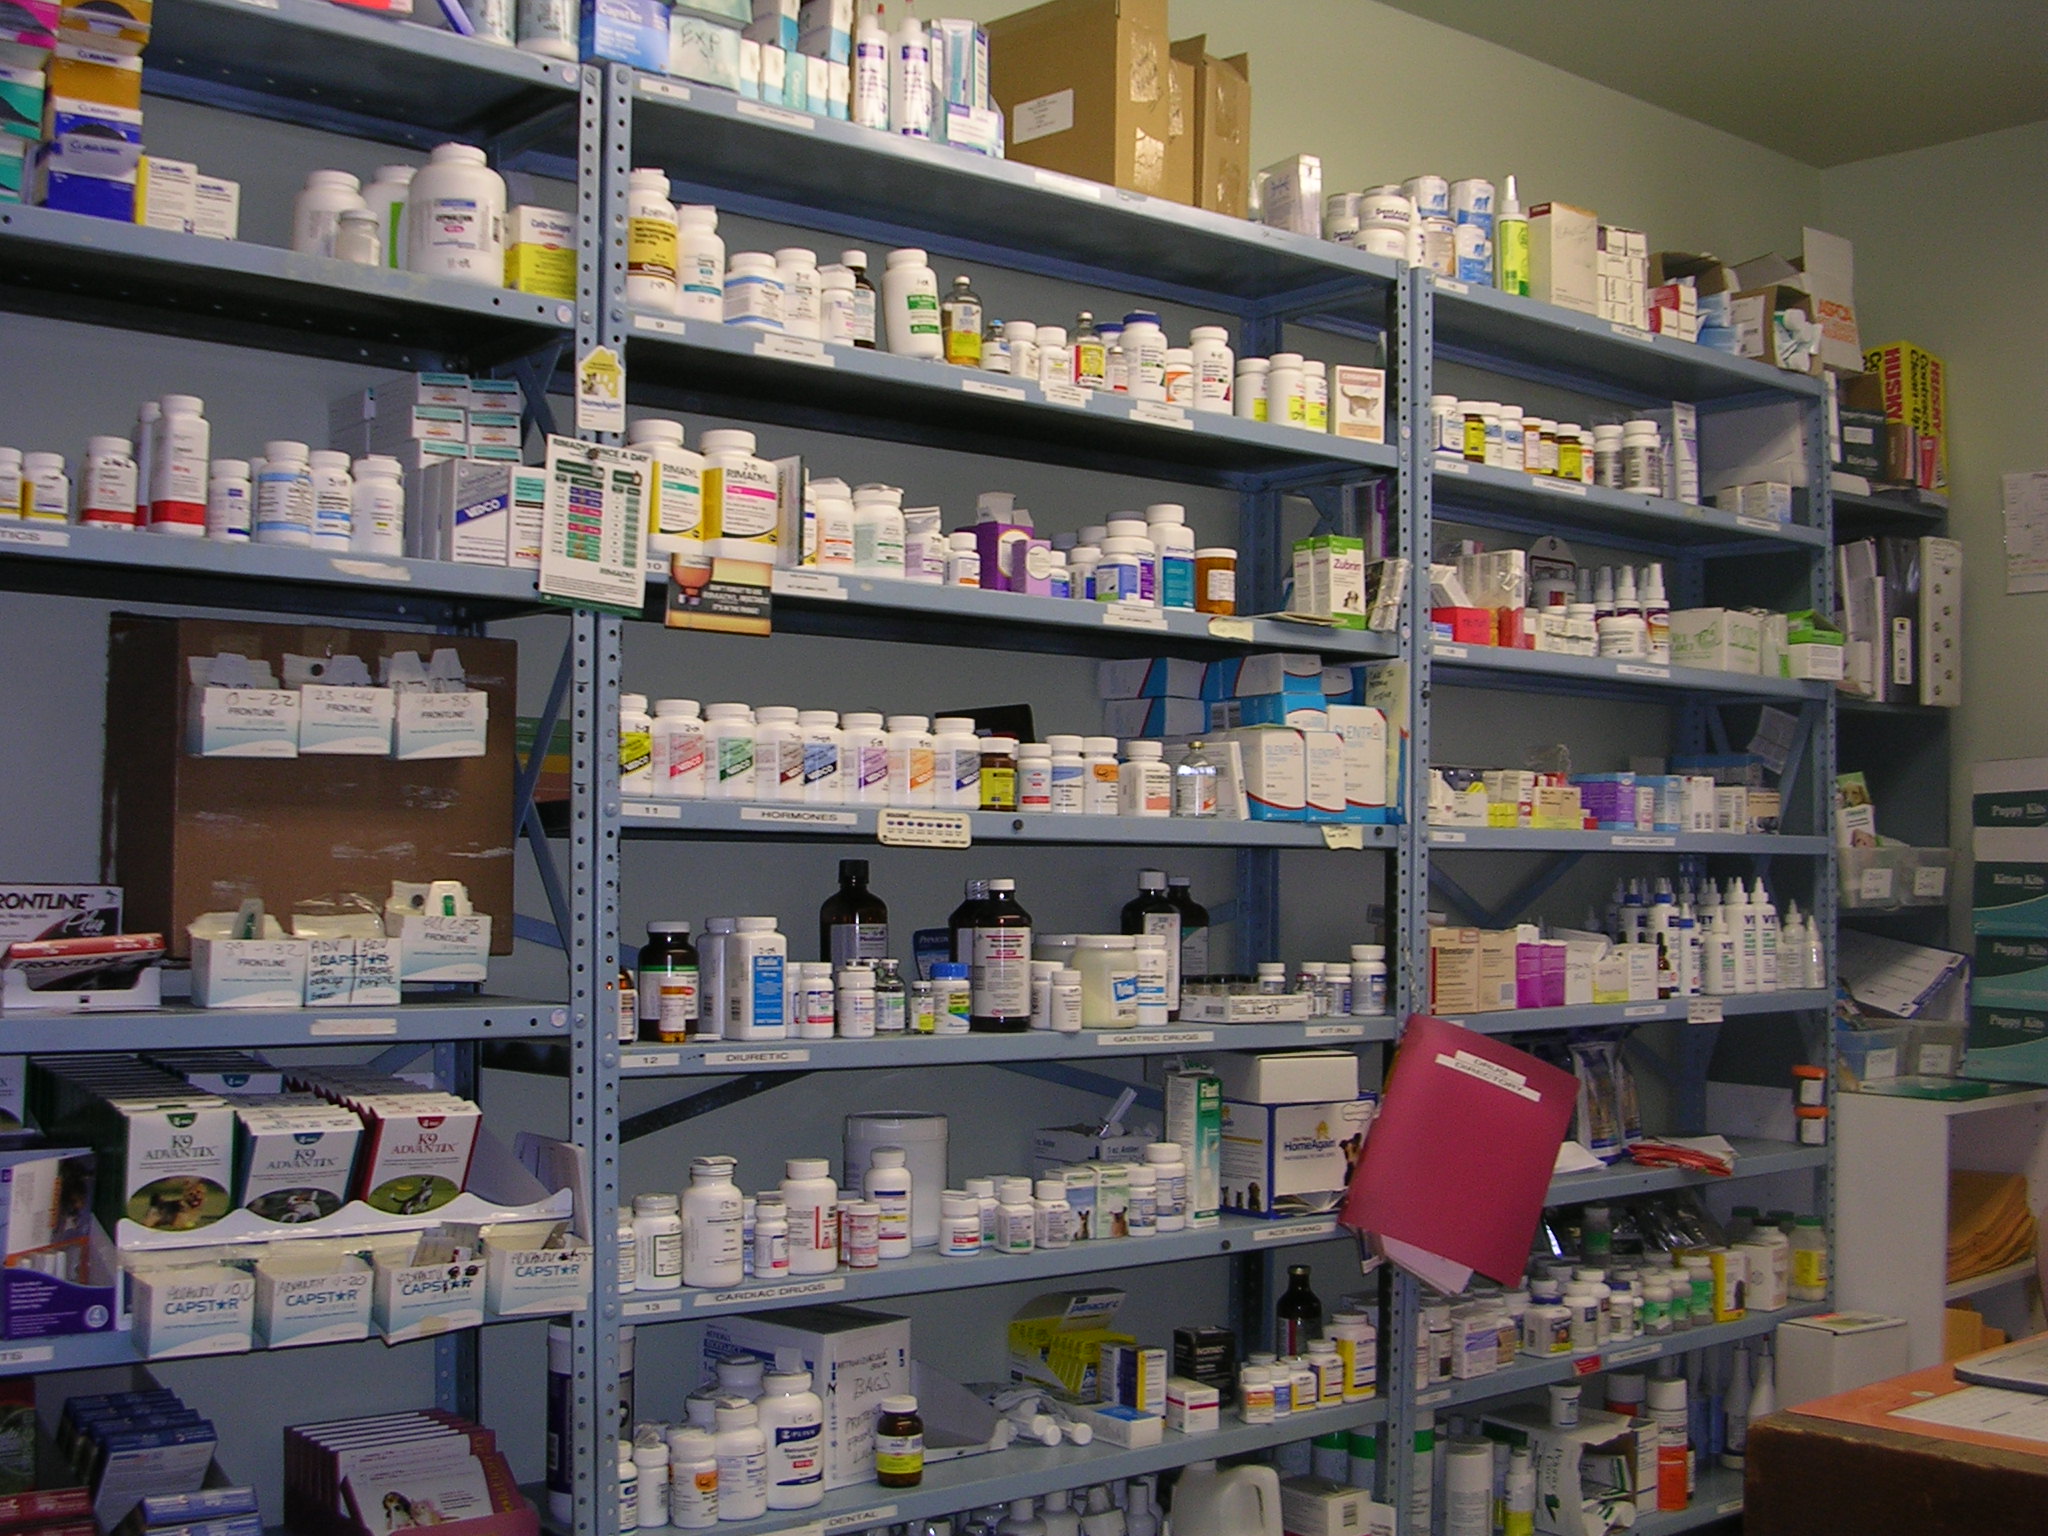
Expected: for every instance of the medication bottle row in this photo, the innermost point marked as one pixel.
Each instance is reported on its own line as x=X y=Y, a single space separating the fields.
x=687 y=751
x=446 y=219
x=713 y=1237
x=1725 y=940
x=162 y=480
x=1621 y=456
x=1458 y=229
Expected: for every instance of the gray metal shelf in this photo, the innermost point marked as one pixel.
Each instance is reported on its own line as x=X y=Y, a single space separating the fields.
x=820 y=173
x=1527 y=1374
x=355 y=72
x=730 y=819
x=1499 y=666
x=710 y=1058
x=180 y=1025
x=1025 y=1472
x=714 y=369
x=144 y=567
x=865 y=607
x=1487 y=495
x=1716 y=1496
x=106 y=273
x=91 y=1351
x=1529 y=1021
x=1754 y=1159
x=926 y=1272
x=1859 y=515
x=1529 y=840
x=1509 y=334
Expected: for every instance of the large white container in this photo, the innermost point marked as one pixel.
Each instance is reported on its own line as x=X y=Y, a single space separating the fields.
x=455 y=218
x=1236 y=1501
x=922 y=1136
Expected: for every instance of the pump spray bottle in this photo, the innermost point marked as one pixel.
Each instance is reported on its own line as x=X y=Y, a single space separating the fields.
x=1511 y=243
x=910 y=79
x=1656 y=615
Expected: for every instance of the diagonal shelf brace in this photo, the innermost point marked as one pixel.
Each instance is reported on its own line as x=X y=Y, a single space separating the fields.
x=679 y=1111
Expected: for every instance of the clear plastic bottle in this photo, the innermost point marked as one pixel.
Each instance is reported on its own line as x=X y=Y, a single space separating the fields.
x=960 y=325
x=1196 y=784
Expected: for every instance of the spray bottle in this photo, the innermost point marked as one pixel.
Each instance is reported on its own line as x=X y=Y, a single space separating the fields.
x=1511 y=243
x=1656 y=614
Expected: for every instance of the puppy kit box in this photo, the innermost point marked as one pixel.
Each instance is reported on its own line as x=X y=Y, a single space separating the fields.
x=855 y=1357
x=1284 y=1160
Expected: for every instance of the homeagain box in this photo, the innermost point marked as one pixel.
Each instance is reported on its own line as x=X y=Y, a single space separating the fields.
x=1291 y=1159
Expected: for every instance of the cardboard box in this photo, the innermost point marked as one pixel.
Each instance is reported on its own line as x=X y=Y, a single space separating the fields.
x=1453 y=971
x=855 y=1357
x=1275 y=765
x=634 y=32
x=1281 y=1160
x=1288 y=1077
x=192 y=1309
x=1192 y=1407
x=302 y=1301
x=417 y=1301
x=1084 y=86
x=1914 y=385
x=1314 y=1506
x=1221 y=127
x=183 y=831
x=1837 y=1352
x=1563 y=255
x=1718 y=639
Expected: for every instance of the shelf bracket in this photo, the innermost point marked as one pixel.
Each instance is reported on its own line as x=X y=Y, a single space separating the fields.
x=544 y=730
x=397 y=1058
x=679 y=1111
x=1532 y=890
x=536 y=931
x=1471 y=906
x=550 y=878
x=535 y=372
x=1065 y=1076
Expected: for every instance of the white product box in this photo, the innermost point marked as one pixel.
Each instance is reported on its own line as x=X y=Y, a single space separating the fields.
x=294 y=1161
x=340 y=721
x=1149 y=677
x=1941 y=619
x=167 y=194
x=1275 y=771
x=1194 y=1122
x=242 y=722
x=429 y=725
x=1358 y=402
x=1364 y=733
x=248 y=973
x=855 y=1357
x=1192 y=1407
x=1680 y=428
x=416 y=1301
x=1329 y=580
x=1287 y=1077
x=437 y=948
x=192 y=1309
x=217 y=208
x=1642 y=972
x=1293 y=195
x=301 y=1302
x=1718 y=639
x=1767 y=499
x=1820 y=1356
x=1284 y=1160
x=1323 y=775
x=1242 y=677
x=494 y=429
x=1130 y=1428
x=1126 y=718
x=536 y=1282
x=1563 y=246
x=1057 y=1146
x=1314 y=1506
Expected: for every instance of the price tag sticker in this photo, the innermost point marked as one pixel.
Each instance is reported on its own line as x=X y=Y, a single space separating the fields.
x=782 y=117
x=1223 y=627
x=1445 y=465
x=794 y=349
x=1703 y=1010
x=667 y=90
x=1161 y=415
x=1450 y=652
x=1343 y=835
x=993 y=391
x=1133 y=616
x=1451 y=285
x=808 y=584
x=924 y=829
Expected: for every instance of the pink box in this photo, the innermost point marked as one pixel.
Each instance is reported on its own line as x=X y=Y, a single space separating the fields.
x=1554 y=951
x=32 y=24
x=1529 y=976
x=1031 y=566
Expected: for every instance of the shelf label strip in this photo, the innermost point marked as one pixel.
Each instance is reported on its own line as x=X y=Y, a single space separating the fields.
x=43 y=538
x=1333 y=1032
x=782 y=117
x=1133 y=616
x=797 y=816
x=1296 y=1231
x=352 y=1027
x=759 y=1295
x=993 y=391
x=793 y=1056
x=1127 y=1038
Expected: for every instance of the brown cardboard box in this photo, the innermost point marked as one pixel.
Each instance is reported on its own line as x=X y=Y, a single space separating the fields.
x=1083 y=85
x=1497 y=968
x=1222 y=127
x=184 y=835
x=1179 y=185
x=1850 y=1466
x=1454 y=971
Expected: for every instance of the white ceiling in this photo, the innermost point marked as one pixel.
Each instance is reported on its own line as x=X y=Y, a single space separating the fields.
x=1824 y=81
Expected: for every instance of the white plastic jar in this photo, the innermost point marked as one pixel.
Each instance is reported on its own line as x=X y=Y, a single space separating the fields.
x=636 y=745
x=1034 y=776
x=385 y=198
x=797 y=268
x=1144 y=783
x=1102 y=780
x=1214 y=368
x=284 y=495
x=1607 y=451
x=1287 y=390
x=1512 y=442
x=753 y=292
x=864 y=758
x=910 y=305
x=334 y=492
x=106 y=489
x=778 y=754
x=888 y=1184
x=1108 y=963
x=455 y=218
x=855 y=1001
x=1144 y=348
x=317 y=210
x=1069 y=771
x=181 y=443
x=1120 y=574
x=742 y=1461
x=1447 y=425
x=729 y=752
x=813 y=1201
x=1248 y=394
x=835 y=305
x=878 y=531
x=741 y=491
x=650 y=241
x=548 y=28
x=911 y=786
x=658 y=1242
x=678 y=747
x=755 y=957
x=959 y=1225
x=1020 y=339
x=712 y=1250
x=793 y=1427
x=1180 y=377
x=376 y=507
x=963 y=560
x=1315 y=390
x=956 y=764
x=824 y=782
x=832 y=525
x=693 y=1477
x=230 y=511
x=700 y=263
x=1170 y=1184
x=675 y=517
x=1642 y=466
x=1174 y=545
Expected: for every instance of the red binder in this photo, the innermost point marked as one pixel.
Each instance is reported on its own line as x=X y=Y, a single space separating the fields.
x=1461 y=1153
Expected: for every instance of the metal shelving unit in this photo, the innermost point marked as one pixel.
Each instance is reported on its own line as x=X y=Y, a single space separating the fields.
x=331 y=67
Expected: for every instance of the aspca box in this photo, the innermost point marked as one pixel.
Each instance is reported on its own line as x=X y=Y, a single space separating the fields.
x=1291 y=1159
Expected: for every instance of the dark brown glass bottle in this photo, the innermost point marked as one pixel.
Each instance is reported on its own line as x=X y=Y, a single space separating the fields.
x=853 y=924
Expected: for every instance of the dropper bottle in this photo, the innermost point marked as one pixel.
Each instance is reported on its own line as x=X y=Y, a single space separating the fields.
x=1656 y=614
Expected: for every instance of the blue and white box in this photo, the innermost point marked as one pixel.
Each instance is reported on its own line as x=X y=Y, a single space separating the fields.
x=775 y=24
x=634 y=32
x=192 y=1309
x=301 y=1300
x=1149 y=677
x=825 y=30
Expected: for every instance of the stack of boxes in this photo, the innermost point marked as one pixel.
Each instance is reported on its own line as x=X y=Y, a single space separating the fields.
x=1901 y=602
x=1698 y=795
x=1479 y=970
x=1292 y=740
x=1622 y=270
x=2009 y=989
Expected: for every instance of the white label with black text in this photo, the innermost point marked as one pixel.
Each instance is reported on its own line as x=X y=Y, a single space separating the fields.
x=1628 y=332
x=1071 y=395
x=780 y=115
x=1703 y=1010
x=1296 y=1231
x=660 y=325
x=1450 y=466
x=353 y=1028
x=45 y=538
x=1451 y=285
x=757 y=1056
x=807 y=584
x=654 y=810
x=1451 y=652
x=795 y=349
x=1133 y=616
x=1222 y=627
x=1332 y=1031
x=924 y=829
x=1562 y=487
x=1637 y=840
x=1447 y=837
x=1644 y=1011
x=1129 y=1038
x=667 y=89
x=648 y=1061
x=1343 y=835
x=797 y=816
x=755 y=1296
x=993 y=391
x=1161 y=415
x=1635 y=669
x=857 y=1519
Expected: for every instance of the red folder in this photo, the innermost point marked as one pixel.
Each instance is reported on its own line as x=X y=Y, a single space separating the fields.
x=1461 y=1153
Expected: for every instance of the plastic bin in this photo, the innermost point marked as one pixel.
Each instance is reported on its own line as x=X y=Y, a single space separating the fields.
x=1934 y=1049
x=1870 y=1055
x=1894 y=876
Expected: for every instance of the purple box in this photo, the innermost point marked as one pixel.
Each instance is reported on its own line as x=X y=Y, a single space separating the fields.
x=1529 y=976
x=31 y=24
x=1552 y=959
x=1031 y=566
x=992 y=539
x=1610 y=799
